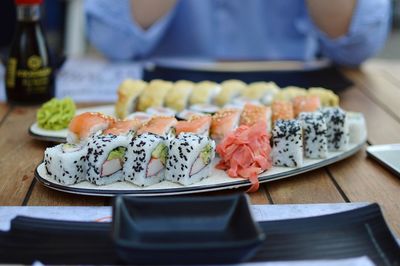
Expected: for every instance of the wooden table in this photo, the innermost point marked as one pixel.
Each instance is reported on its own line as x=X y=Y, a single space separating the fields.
x=357 y=179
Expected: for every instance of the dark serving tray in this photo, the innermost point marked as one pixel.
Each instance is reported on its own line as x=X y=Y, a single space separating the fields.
x=343 y=235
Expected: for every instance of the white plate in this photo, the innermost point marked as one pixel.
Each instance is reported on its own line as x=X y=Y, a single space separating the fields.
x=60 y=135
x=217 y=181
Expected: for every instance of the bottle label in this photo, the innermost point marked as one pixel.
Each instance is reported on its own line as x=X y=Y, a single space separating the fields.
x=35 y=79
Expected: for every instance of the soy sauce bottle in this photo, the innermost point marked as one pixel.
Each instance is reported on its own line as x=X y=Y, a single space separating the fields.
x=29 y=71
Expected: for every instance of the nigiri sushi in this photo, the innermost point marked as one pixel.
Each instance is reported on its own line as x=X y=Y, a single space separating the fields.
x=224 y=122
x=230 y=89
x=197 y=124
x=128 y=93
x=87 y=124
x=252 y=114
x=204 y=92
x=178 y=97
x=154 y=94
x=160 y=125
x=307 y=103
x=282 y=110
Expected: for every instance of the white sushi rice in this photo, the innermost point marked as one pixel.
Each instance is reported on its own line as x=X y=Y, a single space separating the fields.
x=314 y=130
x=287 y=139
x=98 y=149
x=337 y=128
x=66 y=166
x=357 y=127
x=184 y=152
x=137 y=159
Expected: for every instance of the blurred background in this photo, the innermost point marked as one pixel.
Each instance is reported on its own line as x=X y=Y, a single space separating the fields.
x=65 y=28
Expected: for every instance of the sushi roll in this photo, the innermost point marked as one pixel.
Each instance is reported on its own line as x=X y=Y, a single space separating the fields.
x=282 y=110
x=160 y=125
x=261 y=91
x=145 y=160
x=154 y=94
x=357 y=127
x=86 y=125
x=204 y=108
x=128 y=93
x=337 y=128
x=178 y=97
x=105 y=158
x=253 y=114
x=224 y=122
x=187 y=114
x=307 y=103
x=66 y=163
x=239 y=103
x=327 y=97
x=123 y=127
x=204 y=92
x=289 y=93
x=141 y=116
x=189 y=159
x=196 y=124
x=161 y=111
x=314 y=130
x=230 y=89
x=287 y=140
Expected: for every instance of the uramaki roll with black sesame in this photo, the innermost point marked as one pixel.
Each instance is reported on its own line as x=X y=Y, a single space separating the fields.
x=66 y=163
x=145 y=160
x=105 y=158
x=189 y=158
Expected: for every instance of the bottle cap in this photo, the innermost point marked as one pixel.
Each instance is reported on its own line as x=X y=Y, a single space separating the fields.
x=28 y=2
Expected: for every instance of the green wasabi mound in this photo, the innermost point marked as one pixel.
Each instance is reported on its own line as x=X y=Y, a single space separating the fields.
x=205 y=154
x=117 y=153
x=56 y=113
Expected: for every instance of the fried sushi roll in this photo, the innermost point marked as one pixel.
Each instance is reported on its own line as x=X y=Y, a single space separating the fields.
x=230 y=89
x=128 y=93
x=260 y=91
x=178 y=97
x=204 y=92
x=154 y=94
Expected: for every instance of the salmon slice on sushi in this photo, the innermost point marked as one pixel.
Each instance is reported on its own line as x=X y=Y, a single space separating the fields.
x=160 y=125
x=281 y=110
x=86 y=125
x=224 y=122
x=308 y=103
x=123 y=127
x=253 y=114
x=196 y=124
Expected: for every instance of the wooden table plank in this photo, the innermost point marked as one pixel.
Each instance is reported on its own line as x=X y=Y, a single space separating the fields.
x=379 y=88
x=364 y=180
x=4 y=109
x=20 y=155
x=312 y=187
x=377 y=119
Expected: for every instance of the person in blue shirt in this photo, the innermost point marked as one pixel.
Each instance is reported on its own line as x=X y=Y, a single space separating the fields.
x=345 y=31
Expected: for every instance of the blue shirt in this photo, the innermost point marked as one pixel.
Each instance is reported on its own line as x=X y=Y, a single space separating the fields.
x=235 y=29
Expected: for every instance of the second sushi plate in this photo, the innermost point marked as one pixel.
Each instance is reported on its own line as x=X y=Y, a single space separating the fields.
x=218 y=180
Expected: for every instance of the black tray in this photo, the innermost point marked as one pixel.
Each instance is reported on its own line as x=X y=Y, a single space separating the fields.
x=360 y=232
x=181 y=230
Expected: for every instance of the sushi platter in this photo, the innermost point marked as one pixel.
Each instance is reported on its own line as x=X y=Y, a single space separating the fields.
x=165 y=138
x=217 y=181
